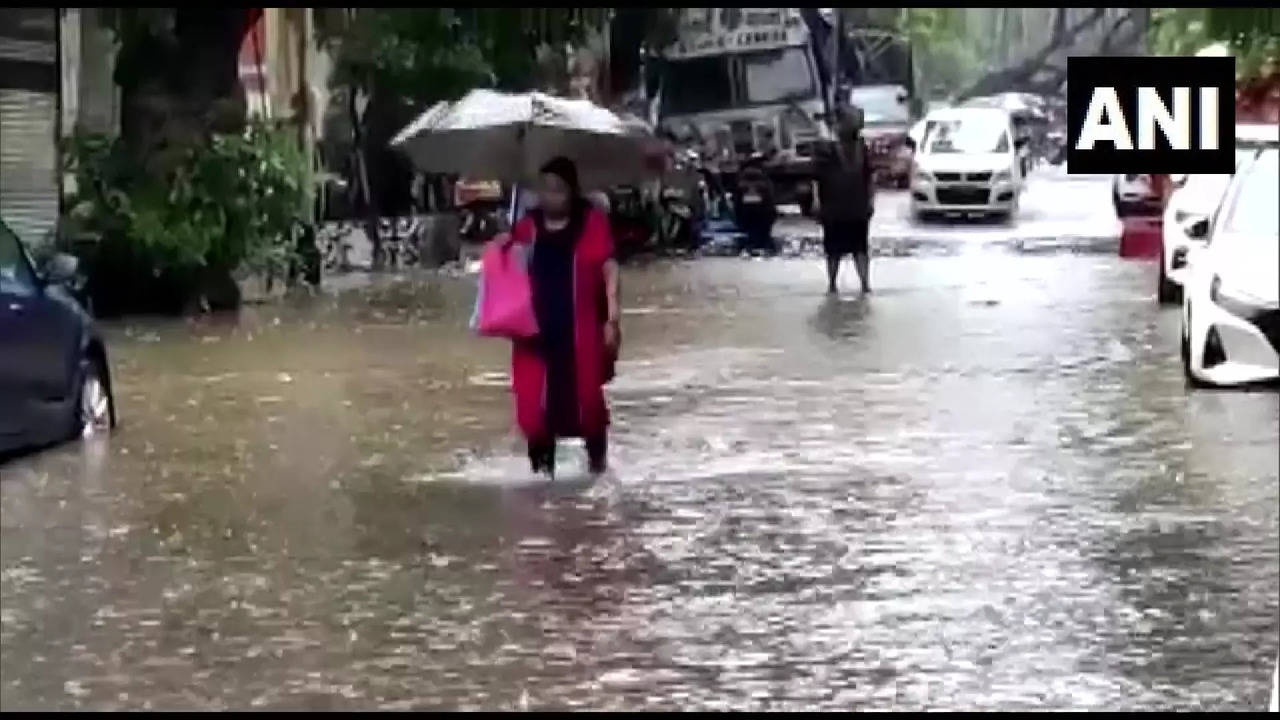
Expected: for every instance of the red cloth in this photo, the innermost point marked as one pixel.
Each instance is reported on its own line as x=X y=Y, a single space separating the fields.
x=592 y=362
x=1142 y=237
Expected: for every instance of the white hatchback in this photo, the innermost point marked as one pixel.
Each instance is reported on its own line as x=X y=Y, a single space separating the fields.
x=966 y=162
x=1231 y=303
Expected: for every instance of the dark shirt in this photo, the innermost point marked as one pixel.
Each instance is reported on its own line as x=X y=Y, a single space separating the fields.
x=551 y=273
x=754 y=202
x=845 y=183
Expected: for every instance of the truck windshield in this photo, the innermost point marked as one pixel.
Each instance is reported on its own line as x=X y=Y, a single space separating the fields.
x=773 y=76
x=696 y=85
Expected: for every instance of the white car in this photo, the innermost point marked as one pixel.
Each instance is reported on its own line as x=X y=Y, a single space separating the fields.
x=967 y=163
x=1195 y=198
x=1231 y=303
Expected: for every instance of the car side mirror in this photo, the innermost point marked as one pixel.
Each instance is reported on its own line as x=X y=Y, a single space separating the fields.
x=61 y=269
x=1020 y=143
x=910 y=143
x=1198 y=230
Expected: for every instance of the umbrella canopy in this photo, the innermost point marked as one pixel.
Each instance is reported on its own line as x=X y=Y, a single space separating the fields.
x=508 y=137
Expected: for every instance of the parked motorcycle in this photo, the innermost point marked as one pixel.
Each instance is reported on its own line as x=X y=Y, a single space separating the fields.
x=479 y=222
x=676 y=219
x=629 y=218
x=400 y=241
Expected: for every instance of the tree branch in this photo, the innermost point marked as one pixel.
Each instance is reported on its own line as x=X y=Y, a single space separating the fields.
x=1022 y=72
x=1109 y=39
x=1059 y=24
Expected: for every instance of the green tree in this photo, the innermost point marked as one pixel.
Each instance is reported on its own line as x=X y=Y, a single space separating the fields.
x=1253 y=34
x=170 y=243
x=187 y=195
x=430 y=54
x=947 y=54
x=177 y=71
x=393 y=62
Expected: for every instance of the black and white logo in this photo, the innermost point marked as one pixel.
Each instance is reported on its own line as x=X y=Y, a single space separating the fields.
x=1151 y=115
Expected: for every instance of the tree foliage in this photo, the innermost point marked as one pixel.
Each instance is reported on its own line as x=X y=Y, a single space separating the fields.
x=227 y=205
x=946 y=54
x=430 y=54
x=1253 y=34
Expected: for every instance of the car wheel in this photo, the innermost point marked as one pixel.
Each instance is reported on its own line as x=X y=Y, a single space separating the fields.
x=1167 y=291
x=1185 y=351
x=94 y=410
x=923 y=216
x=1192 y=380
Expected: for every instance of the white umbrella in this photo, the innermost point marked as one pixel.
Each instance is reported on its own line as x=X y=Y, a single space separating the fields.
x=504 y=136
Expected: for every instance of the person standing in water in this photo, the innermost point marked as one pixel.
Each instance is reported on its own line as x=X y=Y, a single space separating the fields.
x=559 y=377
x=846 y=200
x=756 y=209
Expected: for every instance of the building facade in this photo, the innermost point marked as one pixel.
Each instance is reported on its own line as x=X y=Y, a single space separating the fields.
x=56 y=78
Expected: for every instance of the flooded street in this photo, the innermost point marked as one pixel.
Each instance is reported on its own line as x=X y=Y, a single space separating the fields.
x=986 y=486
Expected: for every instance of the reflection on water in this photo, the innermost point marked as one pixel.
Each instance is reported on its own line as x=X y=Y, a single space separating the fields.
x=984 y=486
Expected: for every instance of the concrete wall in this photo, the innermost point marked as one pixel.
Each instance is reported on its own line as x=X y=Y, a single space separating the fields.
x=90 y=97
x=296 y=69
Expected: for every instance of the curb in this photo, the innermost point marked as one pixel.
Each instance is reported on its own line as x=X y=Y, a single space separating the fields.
x=912 y=245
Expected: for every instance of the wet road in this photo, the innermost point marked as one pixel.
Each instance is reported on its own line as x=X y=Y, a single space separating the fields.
x=986 y=486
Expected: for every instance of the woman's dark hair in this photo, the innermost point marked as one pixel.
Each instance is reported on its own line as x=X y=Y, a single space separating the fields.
x=564 y=168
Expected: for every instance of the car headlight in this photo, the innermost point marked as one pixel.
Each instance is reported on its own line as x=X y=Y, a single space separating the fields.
x=1002 y=176
x=1241 y=306
x=923 y=175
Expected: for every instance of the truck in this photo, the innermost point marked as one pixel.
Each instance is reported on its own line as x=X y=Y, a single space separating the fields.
x=750 y=84
x=878 y=66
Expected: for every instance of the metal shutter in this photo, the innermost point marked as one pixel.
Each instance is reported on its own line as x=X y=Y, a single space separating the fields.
x=28 y=164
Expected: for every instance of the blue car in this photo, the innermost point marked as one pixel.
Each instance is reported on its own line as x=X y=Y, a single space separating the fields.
x=54 y=379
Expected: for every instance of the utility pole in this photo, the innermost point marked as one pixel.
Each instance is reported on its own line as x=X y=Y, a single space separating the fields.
x=837 y=72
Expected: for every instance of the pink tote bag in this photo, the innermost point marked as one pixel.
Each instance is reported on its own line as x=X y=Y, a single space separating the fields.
x=504 y=308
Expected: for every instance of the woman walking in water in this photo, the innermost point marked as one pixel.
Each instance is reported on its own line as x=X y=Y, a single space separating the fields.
x=559 y=377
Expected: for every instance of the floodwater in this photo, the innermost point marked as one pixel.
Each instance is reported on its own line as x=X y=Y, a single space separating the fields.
x=984 y=487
